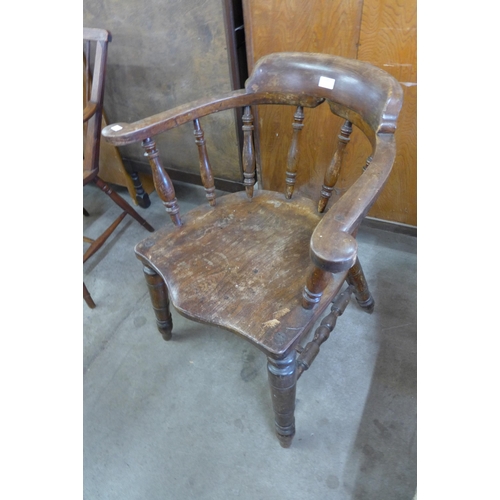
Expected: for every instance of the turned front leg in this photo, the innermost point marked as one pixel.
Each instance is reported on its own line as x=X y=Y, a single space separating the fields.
x=282 y=381
x=356 y=278
x=161 y=305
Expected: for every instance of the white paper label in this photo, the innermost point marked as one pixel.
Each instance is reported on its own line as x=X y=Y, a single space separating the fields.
x=115 y=128
x=326 y=83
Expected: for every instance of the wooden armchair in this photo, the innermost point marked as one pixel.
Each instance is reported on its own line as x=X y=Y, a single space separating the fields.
x=265 y=265
x=92 y=125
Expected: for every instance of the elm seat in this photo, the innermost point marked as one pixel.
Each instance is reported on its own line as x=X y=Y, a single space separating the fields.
x=266 y=265
x=251 y=257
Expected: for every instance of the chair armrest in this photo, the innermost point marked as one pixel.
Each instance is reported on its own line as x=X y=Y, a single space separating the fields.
x=89 y=110
x=121 y=134
x=332 y=247
x=333 y=252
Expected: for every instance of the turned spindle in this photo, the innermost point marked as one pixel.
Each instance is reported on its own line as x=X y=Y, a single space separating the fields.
x=248 y=154
x=309 y=353
x=293 y=152
x=315 y=285
x=162 y=182
x=205 y=169
x=333 y=172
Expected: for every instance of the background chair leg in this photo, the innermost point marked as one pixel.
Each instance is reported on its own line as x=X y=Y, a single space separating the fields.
x=87 y=297
x=141 y=196
x=122 y=203
x=356 y=278
x=282 y=381
x=161 y=305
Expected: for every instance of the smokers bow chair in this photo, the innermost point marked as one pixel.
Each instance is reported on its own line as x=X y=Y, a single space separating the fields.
x=92 y=124
x=265 y=265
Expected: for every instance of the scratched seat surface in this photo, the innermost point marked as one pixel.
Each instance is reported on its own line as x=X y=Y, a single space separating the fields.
x=241 y=265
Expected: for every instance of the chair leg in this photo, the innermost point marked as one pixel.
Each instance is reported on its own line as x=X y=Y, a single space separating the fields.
x=161 y=305
x=87 y=297
x=122 y=203
x=282 y=381
x=356 y=278
x=141 y=196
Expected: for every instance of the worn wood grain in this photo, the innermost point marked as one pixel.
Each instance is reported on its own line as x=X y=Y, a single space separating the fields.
x=246 y=267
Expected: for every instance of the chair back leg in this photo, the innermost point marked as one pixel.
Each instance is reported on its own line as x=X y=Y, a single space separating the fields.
x=356 y=278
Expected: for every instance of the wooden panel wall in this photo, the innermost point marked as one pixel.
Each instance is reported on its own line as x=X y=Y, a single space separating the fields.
x=382 y=33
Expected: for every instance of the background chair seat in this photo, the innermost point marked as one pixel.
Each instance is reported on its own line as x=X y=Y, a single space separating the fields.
x=241 y=265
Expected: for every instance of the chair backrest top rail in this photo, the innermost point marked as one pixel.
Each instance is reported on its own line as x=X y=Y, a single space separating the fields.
x=361 y=93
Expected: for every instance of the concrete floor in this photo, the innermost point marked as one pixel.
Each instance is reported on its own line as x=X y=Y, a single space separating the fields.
x=192 y=418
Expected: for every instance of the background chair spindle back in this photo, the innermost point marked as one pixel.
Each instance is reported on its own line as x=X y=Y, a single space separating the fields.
x=95 y=93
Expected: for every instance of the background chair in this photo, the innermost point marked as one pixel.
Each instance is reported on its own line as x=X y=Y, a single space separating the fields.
x=92 y=125
x=266 y=265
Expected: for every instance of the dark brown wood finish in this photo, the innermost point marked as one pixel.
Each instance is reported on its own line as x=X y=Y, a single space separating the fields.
x=92 y=123
x=248 y=153
x=262 y=264
x=311 y=350
x=159 y=299
x=283 y=382
x=356 y=278
x=141 y=195
x=333 y=172
x=205 y=168
x=162 y=181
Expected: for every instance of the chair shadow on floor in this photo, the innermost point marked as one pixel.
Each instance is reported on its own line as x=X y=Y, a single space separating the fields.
x=385 y=445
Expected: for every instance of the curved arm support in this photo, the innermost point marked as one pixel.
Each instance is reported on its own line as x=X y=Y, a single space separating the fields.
x=120 y=134
x=89 y=111
x=332 y=247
